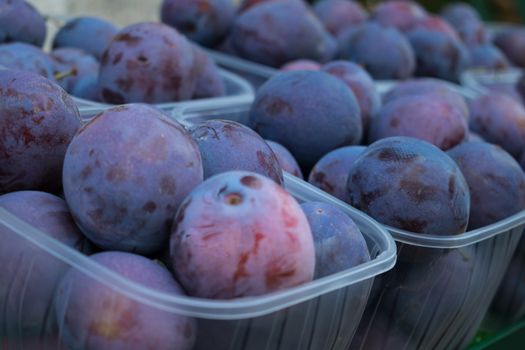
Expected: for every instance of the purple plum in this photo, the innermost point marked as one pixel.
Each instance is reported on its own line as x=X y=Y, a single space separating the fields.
x=310 y=113
x=286 y=159
x=339 y=244
x=512 y=42
x=93 y=315
x=37 y=121
x=384 y=52
x=29 y=274
x=361 y=84
x=79 y=71
x=495 y=179
x=278 y=32
x=147 y=62
x=399 y=14
x=20 y=21
x=407 y=183
x=240 y=234
x=204 y=21
x=27 y=57
x=209 y=79
x=226 y=145
x=428 y=117
x=499 y=119
x=126 y=173
x=331 y=172
x=487 y=56
x=91 y=34
x=338 y=15
x=457 y=12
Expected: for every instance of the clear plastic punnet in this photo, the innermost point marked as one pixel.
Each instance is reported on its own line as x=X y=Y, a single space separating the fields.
x=322 y=314
x=483 y=81
x=442 y=285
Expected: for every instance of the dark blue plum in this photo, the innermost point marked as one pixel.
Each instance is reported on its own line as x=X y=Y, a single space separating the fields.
x=330 y=173
x=457 y=12
x=472 y=32
x=438 y=54
x=29 y=274
x=240 y=234
x=278 y=32
x=20 y=21
x=384 y=52
x=398 y=14
x=126 y=173
x=361 y=84
x=27 y=57
x=204 y=21
x=499 y=119
x=310 y=113
x=91 y=34
x=487 y=56
x=412 y=185
x=148 y=62
x=226 y=145
x=495 y=179
x=339 y=244
x=37 y=121
x=94 y=316
x=286 y=159
x=338 y=15
x=428 y=117
x=77 y=72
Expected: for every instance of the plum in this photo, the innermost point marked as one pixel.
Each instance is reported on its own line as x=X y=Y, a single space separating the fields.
x=421 y=86
x=435 y=23
x=499 y=119
x=226 y=145
x=240 y=234
x=438 y=54
x=496 y=182
x=473 y=137
x=487 y=56
x=209 y=79
x=20 y=21
x=457 y=12
x=339 y=244
x=337 y=15
x=204 y=21
x=91 y=34
x=147 y=62
x=79 y=72
x=428 y=117
x=285 y=158
x=361 y=84
x=278 y=32
x=125 y=174
x=29 y=274
x=384 y=52
x=416 y=298
x=512 y=42
x=408 y=183
x=27 y=57
x=472 y=32
x=93 y=315
x=310 y=113
x=37 y=121
x=398 y=14
x=330 y=173
x=301 y=65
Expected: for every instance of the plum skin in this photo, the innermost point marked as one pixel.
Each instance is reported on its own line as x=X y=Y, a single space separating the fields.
x=125 y=198
x=240 y=234
x=95 y=316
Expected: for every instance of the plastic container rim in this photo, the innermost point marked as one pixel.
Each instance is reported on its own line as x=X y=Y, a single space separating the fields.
x=233 y=309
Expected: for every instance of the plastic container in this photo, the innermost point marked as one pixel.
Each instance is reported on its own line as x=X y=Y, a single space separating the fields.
x=322 y=314
x=484 y=81
x=442 y=285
